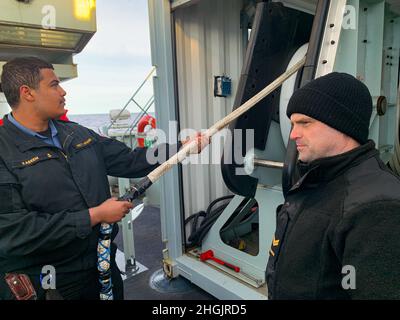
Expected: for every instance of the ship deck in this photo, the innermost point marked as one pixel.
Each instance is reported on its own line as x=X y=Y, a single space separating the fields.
x=148 y=249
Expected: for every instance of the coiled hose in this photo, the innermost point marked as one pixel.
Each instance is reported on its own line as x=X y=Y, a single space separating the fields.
x=197 y=233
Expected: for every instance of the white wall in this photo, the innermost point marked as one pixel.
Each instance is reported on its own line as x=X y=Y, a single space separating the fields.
x=209 y=42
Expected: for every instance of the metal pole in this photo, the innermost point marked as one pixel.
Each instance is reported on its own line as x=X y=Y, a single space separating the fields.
x=268 y=164
x=133 y=96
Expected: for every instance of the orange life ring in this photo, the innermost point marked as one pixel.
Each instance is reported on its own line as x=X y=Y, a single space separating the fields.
x=145 y=121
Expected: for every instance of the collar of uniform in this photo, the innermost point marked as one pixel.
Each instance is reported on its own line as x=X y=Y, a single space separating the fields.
x=326 y=169
x=53 y=129
x=65 y=133
x=22 y=139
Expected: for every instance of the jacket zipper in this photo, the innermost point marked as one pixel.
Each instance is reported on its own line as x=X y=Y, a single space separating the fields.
x=63 y=146
x=65 y=156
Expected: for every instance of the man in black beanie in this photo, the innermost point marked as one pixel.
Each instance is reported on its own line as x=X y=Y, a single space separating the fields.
x=337 y=233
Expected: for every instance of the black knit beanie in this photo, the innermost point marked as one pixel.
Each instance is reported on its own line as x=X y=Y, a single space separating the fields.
x=338 y=100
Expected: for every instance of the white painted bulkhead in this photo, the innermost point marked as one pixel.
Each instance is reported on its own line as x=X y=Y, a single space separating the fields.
x=209 y=42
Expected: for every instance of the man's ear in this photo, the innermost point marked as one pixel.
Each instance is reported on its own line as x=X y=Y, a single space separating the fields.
x=25 y=93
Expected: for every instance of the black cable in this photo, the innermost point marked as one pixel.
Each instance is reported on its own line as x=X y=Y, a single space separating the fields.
x=212 y=204
x=209 y=217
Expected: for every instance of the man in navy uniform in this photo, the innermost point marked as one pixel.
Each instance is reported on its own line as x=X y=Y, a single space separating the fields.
x=54 y=191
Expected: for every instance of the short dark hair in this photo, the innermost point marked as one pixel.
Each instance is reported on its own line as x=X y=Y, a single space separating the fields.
x=19 y=72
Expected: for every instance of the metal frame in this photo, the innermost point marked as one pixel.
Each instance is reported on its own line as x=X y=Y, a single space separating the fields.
x=165 y=103
x=371 y=49
x=252 y=267
x=215 y=282
x=302 y=5
x=331 y=38
x=129 y=132
x=131 y=268
x=175 y=4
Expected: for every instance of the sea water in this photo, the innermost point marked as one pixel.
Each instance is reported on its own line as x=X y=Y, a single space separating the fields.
x=96 y=121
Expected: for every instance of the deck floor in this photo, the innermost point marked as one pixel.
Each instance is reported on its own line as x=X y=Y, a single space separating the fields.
x=148 y=248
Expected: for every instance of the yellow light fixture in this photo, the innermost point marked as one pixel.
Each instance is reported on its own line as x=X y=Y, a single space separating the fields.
x=83 y=9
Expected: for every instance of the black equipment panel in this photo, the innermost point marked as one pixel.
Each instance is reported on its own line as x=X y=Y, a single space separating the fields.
x=277 y=34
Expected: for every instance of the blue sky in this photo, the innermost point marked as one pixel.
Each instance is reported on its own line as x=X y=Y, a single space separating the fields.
x=115 y=61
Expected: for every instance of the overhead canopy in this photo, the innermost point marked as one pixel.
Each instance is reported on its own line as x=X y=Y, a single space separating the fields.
x=175 y=4
x=50 y=29
x=24 y=36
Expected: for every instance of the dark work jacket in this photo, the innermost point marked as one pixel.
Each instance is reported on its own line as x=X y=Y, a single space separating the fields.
x=342 y=219
x=45 y=194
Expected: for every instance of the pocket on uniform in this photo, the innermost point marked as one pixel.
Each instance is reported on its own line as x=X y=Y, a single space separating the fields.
x=8 y=183
x=6 y=202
